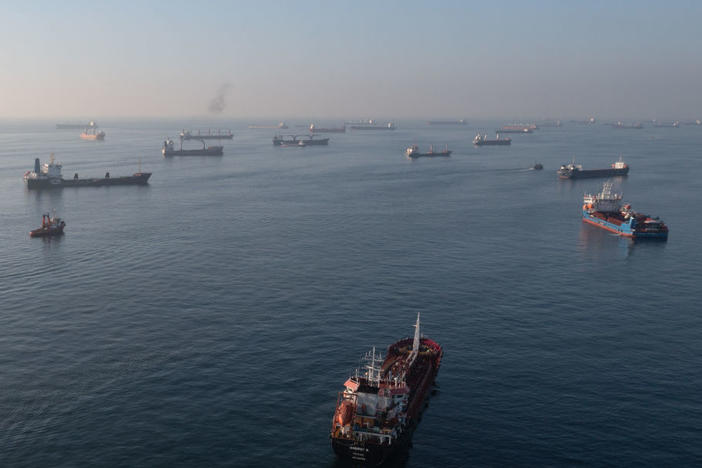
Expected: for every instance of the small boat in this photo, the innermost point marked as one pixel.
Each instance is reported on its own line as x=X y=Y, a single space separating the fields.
x=50 y=226
x=413 y=152
x=537 y=167
x=92 y=133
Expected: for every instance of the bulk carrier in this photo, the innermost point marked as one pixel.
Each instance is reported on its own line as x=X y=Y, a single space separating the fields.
x=46 y=176
x=576 y=171
x=413 y=152
x=380 y=407
x=483 y=140
x=168 y=149
x=605 y=211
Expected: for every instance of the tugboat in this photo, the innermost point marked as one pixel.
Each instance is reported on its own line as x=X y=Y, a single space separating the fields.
x=210 y=135
x=92 y=133
x=50 y=226
x=605 y=211
x=49 y=176
x=169 y=149
x=413 y=152
x=576 y=171
x=482 y=140
x=379 y=408
x=299 y=140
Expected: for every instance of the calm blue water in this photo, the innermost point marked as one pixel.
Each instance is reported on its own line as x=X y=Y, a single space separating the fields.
x=210 y=318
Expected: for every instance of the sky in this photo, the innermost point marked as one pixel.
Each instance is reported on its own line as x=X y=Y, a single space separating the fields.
x=364 y=59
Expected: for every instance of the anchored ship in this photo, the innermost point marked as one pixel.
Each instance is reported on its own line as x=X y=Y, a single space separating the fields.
x=605 y=210
x=168 y=150
x=299 y=140
x=92 y=133
x=281 y=125
x=674 y=124
x=518 y=128
x=315 y=129
x=210 y=135
x=50 y=226
x=413 y=152
x=576 y=171
x=379 y=408
x=447 y=122
x=372 y=125
x=622 y=126
x=483 y=140
x=49 y=176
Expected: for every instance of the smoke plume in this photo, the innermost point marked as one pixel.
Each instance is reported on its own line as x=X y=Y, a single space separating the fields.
x=219 y=102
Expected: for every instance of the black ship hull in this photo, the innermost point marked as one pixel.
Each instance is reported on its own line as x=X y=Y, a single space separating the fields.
x=589 y=174
x=140 y=178
x=211 y=151
x=371 y=127
x=431 y=155
x=494 y=143
x=370 y=454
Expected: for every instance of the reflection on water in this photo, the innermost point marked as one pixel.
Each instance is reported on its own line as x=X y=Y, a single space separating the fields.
x=600 y=244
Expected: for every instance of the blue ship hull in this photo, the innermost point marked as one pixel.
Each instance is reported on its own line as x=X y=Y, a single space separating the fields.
x=627 y=228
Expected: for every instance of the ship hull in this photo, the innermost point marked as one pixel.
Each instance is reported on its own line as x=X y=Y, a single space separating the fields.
x=431 y=155
x=211 y=151
x=92 y=137
x=371 y=127
x=46 y=232
x=136 y=179
x=328 y=130
x=622 y=229
x=494 y=143
x=589 y=174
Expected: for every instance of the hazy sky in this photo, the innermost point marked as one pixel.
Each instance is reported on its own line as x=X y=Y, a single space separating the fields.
x=353 y=58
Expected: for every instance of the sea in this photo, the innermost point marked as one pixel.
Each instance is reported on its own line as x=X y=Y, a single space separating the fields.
x=211 y=317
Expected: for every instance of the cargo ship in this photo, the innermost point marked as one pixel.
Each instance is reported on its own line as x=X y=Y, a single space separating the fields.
x=674 y=124
x=576 y=171
x=372 y=125
x=413 y=152
x=622 y=126
x=380 y=406
x=447 y=122
x=168 y=150
x=210 y=135
x=49 y=176
x=299 y=140
x=315 y=129
x=281 y=125
x=517 y=129
x=605 y=211
x=50 y=226
x=92 y=133
x=483 y=140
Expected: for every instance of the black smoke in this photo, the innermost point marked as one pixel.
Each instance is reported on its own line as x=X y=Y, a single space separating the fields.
x=219 y=102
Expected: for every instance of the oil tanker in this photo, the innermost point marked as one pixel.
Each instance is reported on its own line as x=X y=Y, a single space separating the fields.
x=605 y=211
x=45 y=176
x=380 y=406
x=576 y=171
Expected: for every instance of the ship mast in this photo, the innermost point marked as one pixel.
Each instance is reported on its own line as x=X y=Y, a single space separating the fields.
x=416 y=342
